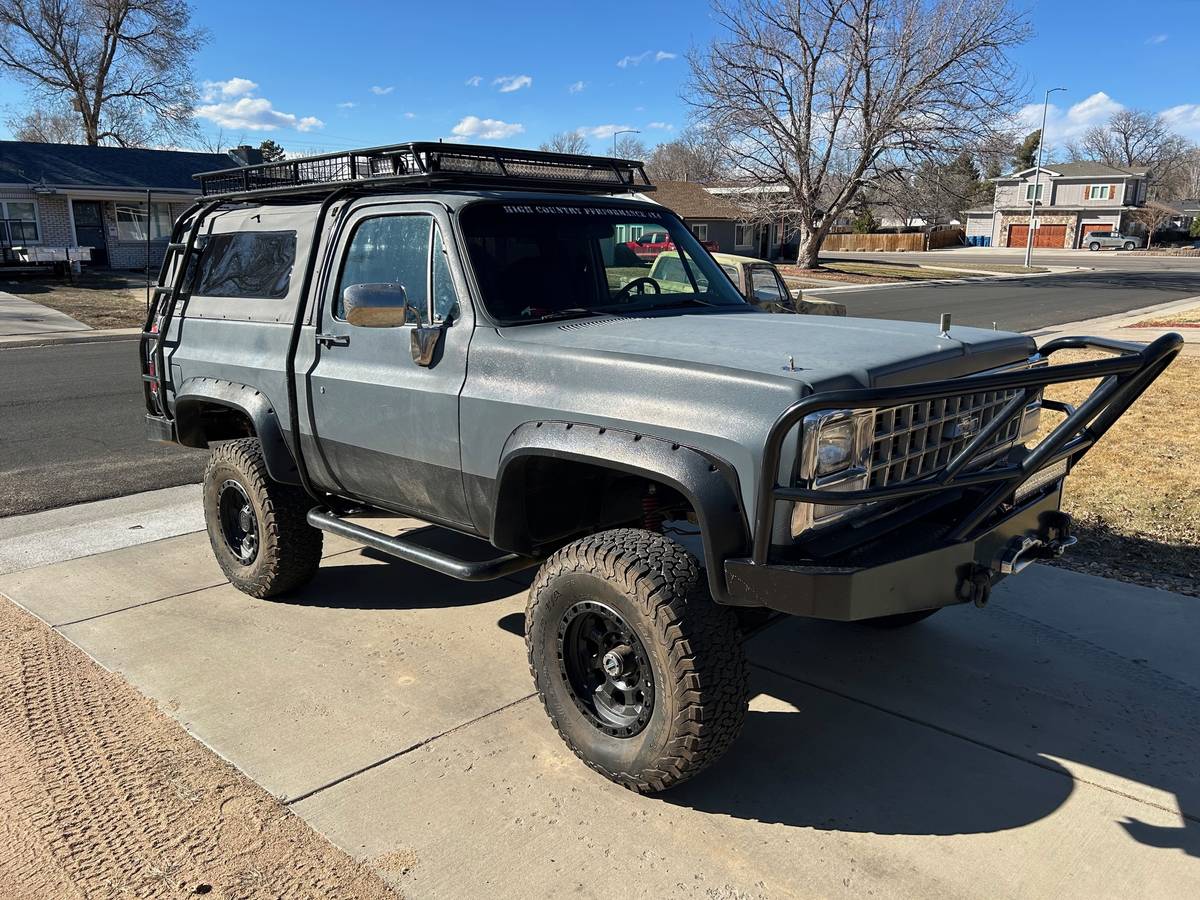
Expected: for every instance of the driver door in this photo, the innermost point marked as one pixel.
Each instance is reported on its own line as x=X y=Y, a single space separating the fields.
x=386 y=427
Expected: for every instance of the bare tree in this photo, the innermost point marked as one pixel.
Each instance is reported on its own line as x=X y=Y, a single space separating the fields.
x=122 y=66
x=1153 y=216
x=47 y=125
x=630 y=147
x=693 y=156
x=566 y=142
x=1135 y=138
x=824 y=96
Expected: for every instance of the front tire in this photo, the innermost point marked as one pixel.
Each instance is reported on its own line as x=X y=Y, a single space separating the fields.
x=1093 y=246
x=641 y=673
x=1129 y=245
x=257 y=527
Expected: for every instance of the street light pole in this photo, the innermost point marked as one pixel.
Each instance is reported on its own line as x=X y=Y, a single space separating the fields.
x=1037 y=178
x=626 y=131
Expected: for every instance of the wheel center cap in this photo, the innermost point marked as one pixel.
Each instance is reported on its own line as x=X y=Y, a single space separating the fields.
x=245 y=519
x=615 y=661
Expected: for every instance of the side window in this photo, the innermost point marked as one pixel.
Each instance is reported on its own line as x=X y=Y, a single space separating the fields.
x=390 y=250
x=763 y=284
x=249 y=264
x=445 y=297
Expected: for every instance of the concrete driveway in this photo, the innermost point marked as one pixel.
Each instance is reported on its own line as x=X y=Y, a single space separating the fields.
x=1044 y=746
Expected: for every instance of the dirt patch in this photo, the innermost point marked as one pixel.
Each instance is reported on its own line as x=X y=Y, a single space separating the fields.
x=1180 y=318
x=98 y=299
x=103 y=796
x=1136 y=495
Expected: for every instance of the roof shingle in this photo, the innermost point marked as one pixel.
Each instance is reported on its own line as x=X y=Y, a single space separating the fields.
x=691 y=201
x=77 y=165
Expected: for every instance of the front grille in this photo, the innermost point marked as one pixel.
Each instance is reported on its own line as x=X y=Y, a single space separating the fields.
x=915 y=439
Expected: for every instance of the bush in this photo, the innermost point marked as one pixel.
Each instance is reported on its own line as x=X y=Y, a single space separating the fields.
x=1195 y=229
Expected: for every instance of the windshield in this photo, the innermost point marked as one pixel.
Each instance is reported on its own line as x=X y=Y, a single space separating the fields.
x=542 y=260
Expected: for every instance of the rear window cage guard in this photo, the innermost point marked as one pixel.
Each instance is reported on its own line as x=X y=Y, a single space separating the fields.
x=1123 y=378
x=418 y=164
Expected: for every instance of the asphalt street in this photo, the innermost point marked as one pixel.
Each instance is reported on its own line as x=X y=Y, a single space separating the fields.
x=71 y=428
x=1022 y=304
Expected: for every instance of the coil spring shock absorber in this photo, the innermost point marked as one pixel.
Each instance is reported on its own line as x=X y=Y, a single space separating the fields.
x=652 y=517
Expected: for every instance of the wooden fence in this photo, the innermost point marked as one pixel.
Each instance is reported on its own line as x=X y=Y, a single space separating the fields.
x=891 y=243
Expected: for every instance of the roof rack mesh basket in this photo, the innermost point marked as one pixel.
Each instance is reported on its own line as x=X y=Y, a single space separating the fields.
x=429 y=163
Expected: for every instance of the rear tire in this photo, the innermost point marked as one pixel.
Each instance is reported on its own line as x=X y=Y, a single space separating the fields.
x=257 y=527
x=641 y=673
x=900 y=620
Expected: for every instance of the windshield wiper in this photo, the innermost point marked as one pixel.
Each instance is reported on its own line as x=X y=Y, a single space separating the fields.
x=572 y=313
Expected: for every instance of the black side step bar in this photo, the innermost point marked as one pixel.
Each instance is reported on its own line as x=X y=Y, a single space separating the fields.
x=463 y=570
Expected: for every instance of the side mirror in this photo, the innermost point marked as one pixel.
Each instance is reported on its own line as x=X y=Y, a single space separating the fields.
x=424 y=342
x=377 y=305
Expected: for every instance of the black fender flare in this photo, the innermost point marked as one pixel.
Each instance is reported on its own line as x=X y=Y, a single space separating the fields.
x=709 y=483
x=196 y=393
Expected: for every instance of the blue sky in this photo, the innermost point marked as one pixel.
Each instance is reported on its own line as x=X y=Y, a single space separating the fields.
x=318 y=77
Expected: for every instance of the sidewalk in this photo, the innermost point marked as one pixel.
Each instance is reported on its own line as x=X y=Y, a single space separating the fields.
x=1119 y=327
x=1042 y=746
x=23 y=318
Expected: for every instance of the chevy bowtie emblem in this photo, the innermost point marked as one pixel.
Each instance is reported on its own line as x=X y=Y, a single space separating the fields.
x=964 y=427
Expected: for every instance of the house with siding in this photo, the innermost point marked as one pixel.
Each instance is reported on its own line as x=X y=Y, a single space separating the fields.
x=713 y=214
x=72 y=196
x=1072 y=199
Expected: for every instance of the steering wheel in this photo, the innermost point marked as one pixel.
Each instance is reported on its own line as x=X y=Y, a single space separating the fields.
x=625 y=294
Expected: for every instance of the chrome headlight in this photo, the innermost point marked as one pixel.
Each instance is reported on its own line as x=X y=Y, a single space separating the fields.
x=833 y=456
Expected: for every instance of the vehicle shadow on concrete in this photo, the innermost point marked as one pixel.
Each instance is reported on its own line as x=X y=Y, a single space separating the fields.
x=885 y=766
x=402 y=585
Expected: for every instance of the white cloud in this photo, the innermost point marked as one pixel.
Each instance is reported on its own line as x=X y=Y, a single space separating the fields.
x=474 y=81
x=510 y=83
x=637 y=59
x=379 y=91
x=1063 y=126
x=576 y=87
x=255 y=114
x=1156 y=39
x=410 y=115
x=1184 y=119
x=212 y=91
x=602 y=132
x=486 y=129
x=662 y=126
x=348 y=104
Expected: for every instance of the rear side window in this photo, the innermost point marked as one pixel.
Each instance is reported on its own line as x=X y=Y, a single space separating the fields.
x=250 y=264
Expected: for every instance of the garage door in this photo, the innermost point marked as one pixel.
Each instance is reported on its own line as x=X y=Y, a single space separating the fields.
x=1049 y=236
x=1092 y=226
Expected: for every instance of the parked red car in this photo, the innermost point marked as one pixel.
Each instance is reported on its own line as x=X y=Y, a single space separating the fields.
x=652 y=243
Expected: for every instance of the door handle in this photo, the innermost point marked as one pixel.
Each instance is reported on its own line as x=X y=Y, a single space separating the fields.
x=333 y=340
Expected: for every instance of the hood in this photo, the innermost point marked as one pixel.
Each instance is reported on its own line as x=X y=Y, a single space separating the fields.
x=829 y=353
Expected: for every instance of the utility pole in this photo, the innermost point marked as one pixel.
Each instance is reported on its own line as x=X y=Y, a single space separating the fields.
x=1037 y=179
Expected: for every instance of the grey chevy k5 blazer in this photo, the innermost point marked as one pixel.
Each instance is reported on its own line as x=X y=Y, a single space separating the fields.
x=460 y=334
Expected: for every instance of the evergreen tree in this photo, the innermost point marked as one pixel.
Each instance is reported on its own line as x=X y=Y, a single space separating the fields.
x=271 y=151
x=1025 y=155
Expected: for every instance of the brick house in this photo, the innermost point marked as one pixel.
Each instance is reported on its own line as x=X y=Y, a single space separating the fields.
x=72 y=195
x=1073 y=199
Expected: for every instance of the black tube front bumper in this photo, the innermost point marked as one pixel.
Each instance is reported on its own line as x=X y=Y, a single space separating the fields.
x=941 y=576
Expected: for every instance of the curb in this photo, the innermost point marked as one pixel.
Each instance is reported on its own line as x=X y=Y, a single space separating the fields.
x=897 y=285
x=54 y=338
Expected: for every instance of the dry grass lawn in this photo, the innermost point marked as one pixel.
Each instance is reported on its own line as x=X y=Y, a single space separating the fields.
x=1180 y=318
x=868 y=272
x=98 y=299
x=1136 y=495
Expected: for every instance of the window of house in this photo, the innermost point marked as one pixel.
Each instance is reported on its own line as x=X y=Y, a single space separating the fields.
x=743 y=235
x=250 y=264
x=700 y=231
x=1099 y=192
x=131 y=221
x=390 y=250
x=1029 y=191
x=18 y=222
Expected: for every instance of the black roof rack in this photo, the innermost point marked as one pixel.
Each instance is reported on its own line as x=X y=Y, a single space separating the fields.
x=418 y=164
